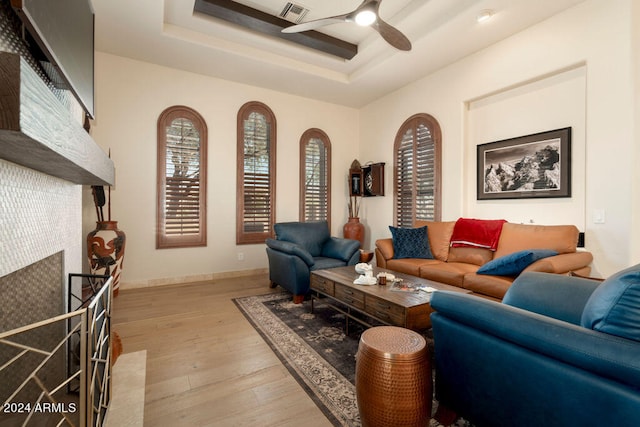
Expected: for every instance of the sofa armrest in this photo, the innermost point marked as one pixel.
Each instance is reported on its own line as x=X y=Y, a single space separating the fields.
x=606 y=355
x=291 y=249
x=553 y=295
x=562 y=263
x=339 y=248
x=385 y=248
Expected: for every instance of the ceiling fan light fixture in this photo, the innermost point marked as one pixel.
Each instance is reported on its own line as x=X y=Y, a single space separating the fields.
x=365 y=18
x=365 y=15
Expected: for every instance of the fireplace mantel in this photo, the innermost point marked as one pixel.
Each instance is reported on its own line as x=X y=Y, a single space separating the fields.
x=38 y=132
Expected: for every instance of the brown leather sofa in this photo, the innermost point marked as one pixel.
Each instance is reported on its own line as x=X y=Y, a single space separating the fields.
x=457 y=266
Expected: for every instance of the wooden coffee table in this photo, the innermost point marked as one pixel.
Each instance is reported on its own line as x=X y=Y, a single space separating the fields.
x=406 y=309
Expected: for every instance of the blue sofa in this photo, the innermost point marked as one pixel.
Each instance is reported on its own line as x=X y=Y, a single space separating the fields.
x=558 y=351
x=301 y=247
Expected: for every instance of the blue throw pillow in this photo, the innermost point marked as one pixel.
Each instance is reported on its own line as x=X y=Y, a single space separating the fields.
x=410 y=242
x=513 y=264
x=614 y=307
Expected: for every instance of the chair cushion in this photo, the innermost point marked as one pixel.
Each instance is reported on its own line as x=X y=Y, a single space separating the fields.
x=320 y=263
x=477 y=256
x=410 y=242
x=451 y=273
x=614 y=307
x=338 y=248
x=291 y=249
x=310 y=235
x=411 y=266
x=513 y=264
x=492 y=286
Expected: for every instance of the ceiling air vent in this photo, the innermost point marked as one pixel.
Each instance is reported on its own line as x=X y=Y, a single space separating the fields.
x=293 y=12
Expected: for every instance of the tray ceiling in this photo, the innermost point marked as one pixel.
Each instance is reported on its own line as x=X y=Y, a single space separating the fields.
x=169 y=33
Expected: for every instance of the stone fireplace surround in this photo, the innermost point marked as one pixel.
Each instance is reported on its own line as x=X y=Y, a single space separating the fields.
x=40 y=215
x=45 y=158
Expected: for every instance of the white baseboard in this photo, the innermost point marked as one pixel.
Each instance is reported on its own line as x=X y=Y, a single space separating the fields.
x=190 y=279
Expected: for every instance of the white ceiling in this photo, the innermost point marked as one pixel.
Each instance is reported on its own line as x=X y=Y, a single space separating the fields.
x=441 y=31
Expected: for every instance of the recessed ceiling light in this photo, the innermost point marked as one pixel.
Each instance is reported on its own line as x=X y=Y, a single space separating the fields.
x=484 y=15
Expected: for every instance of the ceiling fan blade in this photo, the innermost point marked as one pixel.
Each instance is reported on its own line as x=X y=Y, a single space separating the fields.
x=312 y=25
x=392 y=35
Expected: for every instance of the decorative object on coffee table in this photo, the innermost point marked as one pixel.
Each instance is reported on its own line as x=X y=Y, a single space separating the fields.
x=393 y=378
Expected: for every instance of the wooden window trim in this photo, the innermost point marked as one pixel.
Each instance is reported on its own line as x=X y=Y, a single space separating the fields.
x=412 y=123
x=243 y=237
x=164 y=241
x=314 y=133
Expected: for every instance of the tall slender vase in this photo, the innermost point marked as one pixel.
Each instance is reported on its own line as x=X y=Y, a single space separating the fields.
x=354 y=229
x=105 y=249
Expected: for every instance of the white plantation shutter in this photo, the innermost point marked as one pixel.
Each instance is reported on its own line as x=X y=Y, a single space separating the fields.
x=425 y=175
x=257 y=206
x=404 y=180
x=417 y=171
x=315 y=176
x=181 y=179
x=182 y=174
x=256 y=176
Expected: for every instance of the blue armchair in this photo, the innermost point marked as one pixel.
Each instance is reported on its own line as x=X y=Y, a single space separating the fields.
x=558 y=351
x=301 y=247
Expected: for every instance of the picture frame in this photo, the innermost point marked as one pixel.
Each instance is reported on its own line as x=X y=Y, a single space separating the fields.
x=525 y=167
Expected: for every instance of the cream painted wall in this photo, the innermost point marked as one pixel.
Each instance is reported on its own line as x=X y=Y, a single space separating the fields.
x=130 y=96
x=592 y=41
x=558 y=101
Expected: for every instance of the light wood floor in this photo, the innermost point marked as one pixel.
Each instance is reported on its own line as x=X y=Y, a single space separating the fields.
x=206 y=365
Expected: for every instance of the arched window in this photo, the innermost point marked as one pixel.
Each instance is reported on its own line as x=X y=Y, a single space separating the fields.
x=182 y=179
x=417 y=164
x=315 y=176
x=256 y=173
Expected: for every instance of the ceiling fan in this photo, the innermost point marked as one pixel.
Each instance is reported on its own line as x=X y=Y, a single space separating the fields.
x=366 y=15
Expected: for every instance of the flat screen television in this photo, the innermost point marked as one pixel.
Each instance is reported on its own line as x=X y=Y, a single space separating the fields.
x=64 y=31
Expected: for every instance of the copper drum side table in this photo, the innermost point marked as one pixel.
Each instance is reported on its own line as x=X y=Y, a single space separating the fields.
x=393 y=378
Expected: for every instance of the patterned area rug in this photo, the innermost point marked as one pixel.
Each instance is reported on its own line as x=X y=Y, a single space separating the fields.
x=315 y=349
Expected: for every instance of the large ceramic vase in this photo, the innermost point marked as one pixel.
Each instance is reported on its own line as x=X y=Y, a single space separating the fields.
x=354 y=230
x=105 y=249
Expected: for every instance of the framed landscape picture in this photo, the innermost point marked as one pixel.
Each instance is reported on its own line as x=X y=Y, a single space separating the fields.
x=531 y=166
